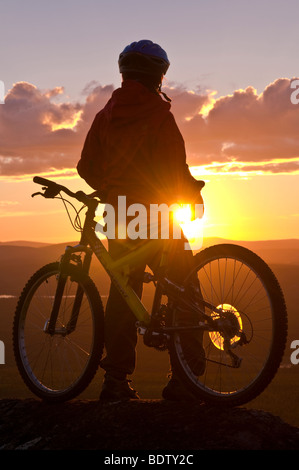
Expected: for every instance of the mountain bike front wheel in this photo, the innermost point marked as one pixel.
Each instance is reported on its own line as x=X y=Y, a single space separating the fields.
x=235 y=361
x=58 y=365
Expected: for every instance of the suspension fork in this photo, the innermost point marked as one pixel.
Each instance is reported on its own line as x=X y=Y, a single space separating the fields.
x=80 y=292
x=64 y=272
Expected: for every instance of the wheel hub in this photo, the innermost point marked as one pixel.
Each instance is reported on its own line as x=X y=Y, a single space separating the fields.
x=229 y=324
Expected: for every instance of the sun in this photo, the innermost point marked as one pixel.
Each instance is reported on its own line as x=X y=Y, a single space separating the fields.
x=191 y=225
x=183 y=214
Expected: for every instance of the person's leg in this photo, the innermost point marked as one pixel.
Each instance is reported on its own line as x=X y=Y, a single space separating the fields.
x=120 y=333
x=181 y=263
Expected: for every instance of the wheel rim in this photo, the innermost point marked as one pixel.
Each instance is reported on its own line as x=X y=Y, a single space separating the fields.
x=235 y=287
x=54 y=364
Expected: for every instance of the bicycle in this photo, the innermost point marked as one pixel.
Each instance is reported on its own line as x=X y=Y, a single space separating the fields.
x=238 y=312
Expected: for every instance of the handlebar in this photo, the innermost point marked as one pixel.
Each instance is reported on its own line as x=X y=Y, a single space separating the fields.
x=44 y=181
x=52 y=189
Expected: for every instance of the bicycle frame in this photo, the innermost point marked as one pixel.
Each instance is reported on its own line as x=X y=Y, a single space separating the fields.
x=119 y=272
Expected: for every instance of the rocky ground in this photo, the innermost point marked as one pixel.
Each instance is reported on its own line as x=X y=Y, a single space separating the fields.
x=139 y=425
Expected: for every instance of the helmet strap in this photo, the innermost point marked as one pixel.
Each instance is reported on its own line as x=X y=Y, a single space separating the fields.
x=164 y=94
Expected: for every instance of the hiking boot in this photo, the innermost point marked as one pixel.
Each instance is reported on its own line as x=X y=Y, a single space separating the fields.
x=117 y=390
x=175 y=391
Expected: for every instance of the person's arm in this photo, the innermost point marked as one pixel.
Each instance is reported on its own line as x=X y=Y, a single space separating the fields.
x=88 y=166
x=176 y=178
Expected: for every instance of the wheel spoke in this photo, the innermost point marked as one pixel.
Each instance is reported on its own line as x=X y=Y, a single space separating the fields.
x=57 y=366
x=242 y=287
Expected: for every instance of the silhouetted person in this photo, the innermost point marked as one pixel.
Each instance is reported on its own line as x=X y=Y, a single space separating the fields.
x=135 y=149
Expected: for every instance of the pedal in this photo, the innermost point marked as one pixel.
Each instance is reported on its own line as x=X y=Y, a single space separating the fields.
x=155 y=339
x=141 y=329
x=148 y=277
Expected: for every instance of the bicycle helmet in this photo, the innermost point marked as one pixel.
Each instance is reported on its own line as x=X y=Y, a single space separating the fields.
x=144 y=57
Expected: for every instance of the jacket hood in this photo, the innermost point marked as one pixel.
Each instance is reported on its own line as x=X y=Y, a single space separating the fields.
x=134 y=101
x=118 y=151
x=130 y=116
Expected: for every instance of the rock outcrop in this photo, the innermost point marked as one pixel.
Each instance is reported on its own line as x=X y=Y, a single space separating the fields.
x=139 y=425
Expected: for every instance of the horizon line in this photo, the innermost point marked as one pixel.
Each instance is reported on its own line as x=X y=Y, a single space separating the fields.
x=205 y=238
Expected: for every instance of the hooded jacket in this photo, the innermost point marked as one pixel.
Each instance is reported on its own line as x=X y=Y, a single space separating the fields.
x=135 y=149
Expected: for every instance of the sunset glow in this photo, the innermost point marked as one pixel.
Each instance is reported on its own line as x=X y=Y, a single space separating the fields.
x=149 y=214
x=237 y=113
x=68 y=124
x=191 y=226
x=183 y=214
x=206 y=108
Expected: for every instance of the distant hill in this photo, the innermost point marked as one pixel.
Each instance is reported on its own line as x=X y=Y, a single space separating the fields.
x=20 y=259
x=276 y=249
x=272 y=251
x=19 y=262
x=25 y=243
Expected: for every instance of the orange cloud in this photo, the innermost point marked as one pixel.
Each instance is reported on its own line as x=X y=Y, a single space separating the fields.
x=40 y=132
x=247 y=127
x=40 y=135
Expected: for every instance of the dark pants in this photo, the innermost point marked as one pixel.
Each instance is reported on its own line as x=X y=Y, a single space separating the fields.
x=120 y=329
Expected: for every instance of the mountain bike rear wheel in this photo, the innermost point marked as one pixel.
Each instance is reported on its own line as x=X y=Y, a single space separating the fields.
x=57 y=366
x=243 y=353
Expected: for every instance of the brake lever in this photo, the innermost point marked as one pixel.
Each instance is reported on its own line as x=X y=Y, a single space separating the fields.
x=36 y=194
x=50 y=192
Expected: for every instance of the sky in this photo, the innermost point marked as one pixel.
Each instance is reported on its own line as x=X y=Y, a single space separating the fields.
x=233 y=66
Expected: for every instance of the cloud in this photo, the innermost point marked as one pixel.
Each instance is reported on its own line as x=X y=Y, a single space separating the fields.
x=247 y=127
x=42 y=132
x=264 y=167
x=38 y=134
